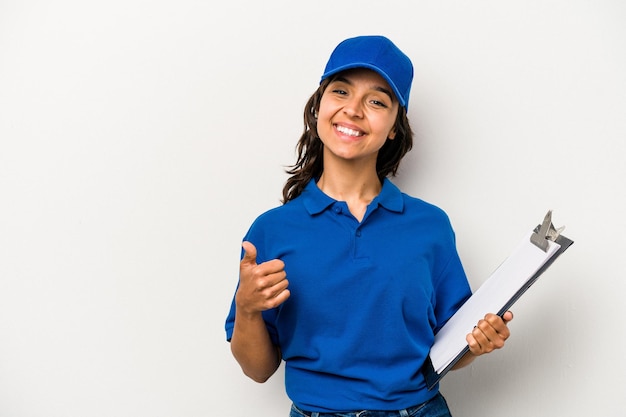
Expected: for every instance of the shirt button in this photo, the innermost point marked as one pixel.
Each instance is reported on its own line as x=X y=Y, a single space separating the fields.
x=337 y=209
x=358 y=233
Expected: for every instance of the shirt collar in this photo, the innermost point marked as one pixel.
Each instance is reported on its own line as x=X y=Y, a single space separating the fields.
x=316 y=201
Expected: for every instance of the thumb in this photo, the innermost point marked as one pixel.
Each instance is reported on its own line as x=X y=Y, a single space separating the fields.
x=249 y=256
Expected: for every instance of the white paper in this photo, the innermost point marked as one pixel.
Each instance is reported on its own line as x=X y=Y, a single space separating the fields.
x=492 y=295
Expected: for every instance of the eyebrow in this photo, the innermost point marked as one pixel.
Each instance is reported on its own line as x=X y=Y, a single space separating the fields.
x=377 y=88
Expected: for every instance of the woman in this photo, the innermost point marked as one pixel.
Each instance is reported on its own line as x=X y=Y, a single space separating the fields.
x=373 y=273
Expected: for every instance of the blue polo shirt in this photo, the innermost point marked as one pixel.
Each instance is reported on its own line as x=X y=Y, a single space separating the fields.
x=366 y=297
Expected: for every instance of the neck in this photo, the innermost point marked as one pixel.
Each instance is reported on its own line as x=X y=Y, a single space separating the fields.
x=356 y=188
x=350 y=187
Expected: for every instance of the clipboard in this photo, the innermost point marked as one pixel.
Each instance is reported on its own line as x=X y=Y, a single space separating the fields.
x=532 y=257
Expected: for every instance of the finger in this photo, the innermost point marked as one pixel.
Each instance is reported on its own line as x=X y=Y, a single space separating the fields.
x=477 y=343
x=508 y=316
x=249 y=256
x=482 y=338
x=274 y=266
x=494 y=332
x=498 y=325
x=275 y=295
x=273 y=283
x=279 y=299
x=266 y=275
x=474 y=347
x=280 y=286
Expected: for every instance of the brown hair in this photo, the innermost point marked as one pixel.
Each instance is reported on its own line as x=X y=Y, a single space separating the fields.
x=309 y=149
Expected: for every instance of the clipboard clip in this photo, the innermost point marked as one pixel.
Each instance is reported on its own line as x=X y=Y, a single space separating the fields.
x=544 y=232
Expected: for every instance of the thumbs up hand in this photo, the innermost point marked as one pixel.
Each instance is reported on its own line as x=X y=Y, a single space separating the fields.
x=261 y=286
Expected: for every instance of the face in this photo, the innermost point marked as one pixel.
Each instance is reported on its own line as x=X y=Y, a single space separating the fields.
x=356 y=116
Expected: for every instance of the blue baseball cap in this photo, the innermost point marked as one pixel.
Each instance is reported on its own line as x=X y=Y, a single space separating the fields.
x=376 y=53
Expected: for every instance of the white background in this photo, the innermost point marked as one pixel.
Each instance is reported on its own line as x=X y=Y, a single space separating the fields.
x=139 y=139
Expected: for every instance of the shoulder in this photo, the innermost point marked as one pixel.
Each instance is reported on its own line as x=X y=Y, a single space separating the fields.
x=276 y=229
x=425 y=221
x=278 y=219
x=412 y=210
x=274 y=215
x=425 y=210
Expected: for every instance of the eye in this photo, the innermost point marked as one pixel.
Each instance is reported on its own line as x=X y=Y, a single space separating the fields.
x=340 y=91
x=379 y=103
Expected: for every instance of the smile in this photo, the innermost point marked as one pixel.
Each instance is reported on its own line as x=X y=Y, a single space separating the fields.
x=348 y=131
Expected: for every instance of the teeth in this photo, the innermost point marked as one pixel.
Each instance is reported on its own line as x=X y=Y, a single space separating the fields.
x=348 y=131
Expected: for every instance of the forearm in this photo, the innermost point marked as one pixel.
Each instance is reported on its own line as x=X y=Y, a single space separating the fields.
x=252 y=347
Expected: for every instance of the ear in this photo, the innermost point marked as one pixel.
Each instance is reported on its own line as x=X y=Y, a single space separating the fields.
x=392 y=133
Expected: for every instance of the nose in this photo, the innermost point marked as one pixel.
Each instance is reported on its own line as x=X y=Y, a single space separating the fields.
x=353 y=107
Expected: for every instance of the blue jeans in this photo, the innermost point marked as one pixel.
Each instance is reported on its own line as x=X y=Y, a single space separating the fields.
x=436 y=407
